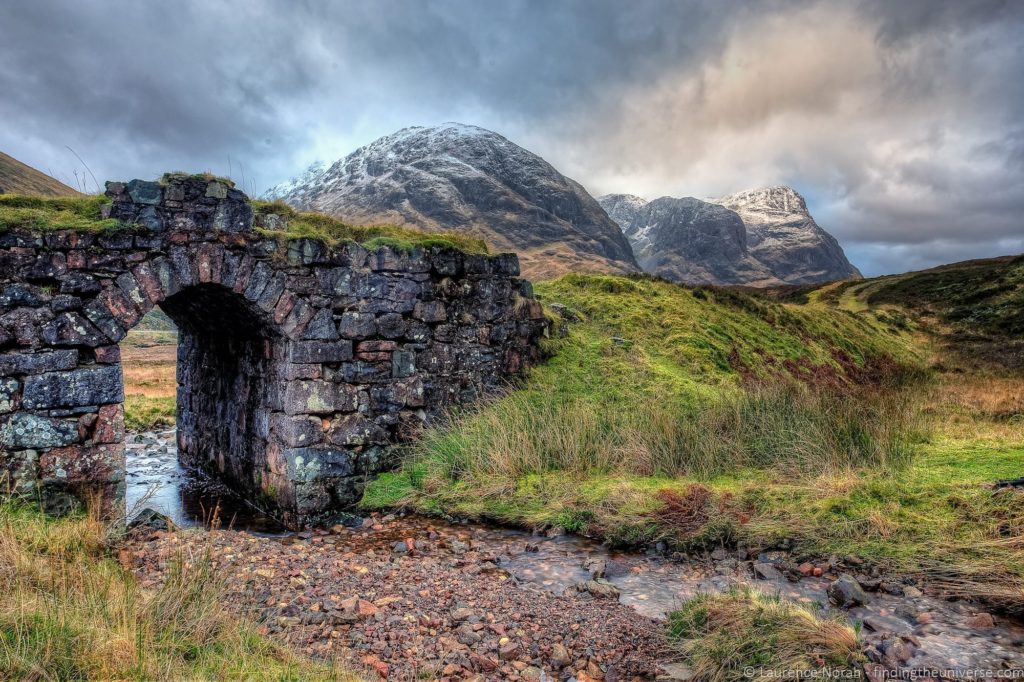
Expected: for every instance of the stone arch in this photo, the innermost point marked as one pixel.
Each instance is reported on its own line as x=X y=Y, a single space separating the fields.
x=299 y=364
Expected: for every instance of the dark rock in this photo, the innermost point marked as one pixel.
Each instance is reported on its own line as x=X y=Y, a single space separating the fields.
x=87 y=386
x=152 y=519
x=846 y=592
x=766 y=571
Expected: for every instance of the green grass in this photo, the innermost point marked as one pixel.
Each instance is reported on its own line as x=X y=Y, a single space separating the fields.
x=54 y=213
x=287 y=223
x=71 y=612
x=721 y=635
x=145 y=413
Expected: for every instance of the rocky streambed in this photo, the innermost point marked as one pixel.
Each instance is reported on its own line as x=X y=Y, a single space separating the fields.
x=411 y=597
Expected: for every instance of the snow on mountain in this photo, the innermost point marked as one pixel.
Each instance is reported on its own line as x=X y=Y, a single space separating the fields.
x=468 y=179
x=782 y=234
x=308 y=177
x=688 y=240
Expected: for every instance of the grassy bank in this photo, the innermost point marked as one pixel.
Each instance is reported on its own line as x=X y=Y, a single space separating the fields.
x=700 y=416
x=71 y=612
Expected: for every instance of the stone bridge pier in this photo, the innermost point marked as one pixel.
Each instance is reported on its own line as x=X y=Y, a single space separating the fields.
x=299 y=364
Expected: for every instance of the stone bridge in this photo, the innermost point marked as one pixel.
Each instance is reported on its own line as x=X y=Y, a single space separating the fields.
x=299 y=363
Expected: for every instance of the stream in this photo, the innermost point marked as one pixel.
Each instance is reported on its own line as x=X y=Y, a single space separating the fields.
x=922 y=632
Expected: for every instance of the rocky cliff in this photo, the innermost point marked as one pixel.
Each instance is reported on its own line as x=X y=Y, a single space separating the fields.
x=782 y=234
x=759 y=237
x=689 y=240
x=471 y=180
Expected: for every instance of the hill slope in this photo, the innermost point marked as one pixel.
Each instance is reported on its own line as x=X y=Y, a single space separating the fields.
x=462 y=178
x=19 y=178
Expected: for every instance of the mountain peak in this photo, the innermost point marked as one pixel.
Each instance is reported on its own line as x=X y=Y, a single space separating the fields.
x=472 y=180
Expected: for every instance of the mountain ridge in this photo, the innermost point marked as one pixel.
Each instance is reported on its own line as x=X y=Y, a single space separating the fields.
x=782 y=244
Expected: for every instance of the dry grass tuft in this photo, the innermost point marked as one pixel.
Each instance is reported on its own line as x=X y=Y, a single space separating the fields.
x=721 y=635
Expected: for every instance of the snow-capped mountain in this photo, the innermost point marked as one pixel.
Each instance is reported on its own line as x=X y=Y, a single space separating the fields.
x=297 y=183
x=782 y=234
x=687 y=240
x=760 y=237
x=464 y=178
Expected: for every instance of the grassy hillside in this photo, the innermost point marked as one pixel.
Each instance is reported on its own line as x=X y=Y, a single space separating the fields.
x=18 y=178
x=705 y=416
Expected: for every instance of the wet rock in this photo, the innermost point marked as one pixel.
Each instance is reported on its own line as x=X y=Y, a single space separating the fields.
x=601 y=589
x=868 y=583
x=597 y=566
x=980 y=621
x=766 y=571
x=846 y=592
x=150 y=518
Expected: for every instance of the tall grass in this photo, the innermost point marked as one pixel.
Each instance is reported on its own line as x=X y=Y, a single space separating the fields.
x=745 y=634
x=790 y=429
x=70 y=612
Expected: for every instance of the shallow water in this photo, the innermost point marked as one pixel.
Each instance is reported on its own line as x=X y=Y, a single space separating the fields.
x=651 y=584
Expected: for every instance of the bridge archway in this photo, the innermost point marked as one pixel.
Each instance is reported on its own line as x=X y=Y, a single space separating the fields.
x=299 y=363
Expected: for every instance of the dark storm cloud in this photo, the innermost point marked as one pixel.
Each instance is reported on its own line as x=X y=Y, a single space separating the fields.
x=899 y=120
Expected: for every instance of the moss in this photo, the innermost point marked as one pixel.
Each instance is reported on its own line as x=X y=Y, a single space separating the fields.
x=292 y=224
x=178 y=176
x=54 y=213
x=85 y=213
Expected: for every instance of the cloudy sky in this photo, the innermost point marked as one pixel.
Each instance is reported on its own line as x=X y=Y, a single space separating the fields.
x=901 y=122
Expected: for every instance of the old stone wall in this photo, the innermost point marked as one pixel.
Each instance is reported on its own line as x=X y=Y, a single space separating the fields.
x=299 y=364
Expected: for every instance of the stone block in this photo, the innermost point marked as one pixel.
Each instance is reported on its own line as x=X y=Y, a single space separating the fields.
x=403 y=363
x=355 y=429
x=314 y=351
x=99 y=315
x=71 y=329
x=430 y=311
x=108 y=355
x=9 y=395
x=391 y=326
x=354 y=325
x=142 y=192
x=306 y=251
x=318 y=397
x=35 y=363
x=209 y=259
x=109 y=425
x=322 y=326
x=317 y=463
x=83 y=463
x=298 y=430
x=79 y=283
x=24 y=430
x=86 y=386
